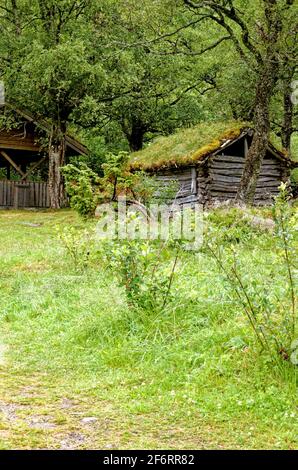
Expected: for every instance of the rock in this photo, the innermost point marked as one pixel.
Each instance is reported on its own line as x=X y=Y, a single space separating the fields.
x=89 y=420
x=8 y=410
x=72 y=441
x=40 y=422
x=30 y=224
x=66 y=403
x=263 y=224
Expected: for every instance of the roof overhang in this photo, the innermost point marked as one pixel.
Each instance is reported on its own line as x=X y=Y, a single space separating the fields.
x=70 y=141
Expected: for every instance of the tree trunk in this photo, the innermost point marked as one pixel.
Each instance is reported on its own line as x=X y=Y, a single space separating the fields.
x=56 y=183
x=136 y=136
x=258 y=149
x=16 y=17
x=268 y=74
x=287 y=127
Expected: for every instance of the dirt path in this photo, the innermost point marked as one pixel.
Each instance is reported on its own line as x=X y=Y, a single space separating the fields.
x=36 y=416
x=36 y=413
x=33 y=416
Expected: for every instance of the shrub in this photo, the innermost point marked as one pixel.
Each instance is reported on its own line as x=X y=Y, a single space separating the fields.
x=145 y=269
x=80 y=182
x=78 y=244
x=86 y=189
x=273 y=317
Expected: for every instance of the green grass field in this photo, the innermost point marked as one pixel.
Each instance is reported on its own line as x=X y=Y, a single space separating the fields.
x=80 y=369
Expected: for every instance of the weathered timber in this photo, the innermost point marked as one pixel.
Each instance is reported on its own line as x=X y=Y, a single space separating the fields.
x=15 y=194
x=233 y=159
x=10 y=160
x=235 y=180
x=218 y=176
x=238 y=166
x=264 y=173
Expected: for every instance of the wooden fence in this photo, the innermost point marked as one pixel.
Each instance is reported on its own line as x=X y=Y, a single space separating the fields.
x=17 y=195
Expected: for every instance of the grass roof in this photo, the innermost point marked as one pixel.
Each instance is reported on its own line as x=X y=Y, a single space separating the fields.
x=187 y=146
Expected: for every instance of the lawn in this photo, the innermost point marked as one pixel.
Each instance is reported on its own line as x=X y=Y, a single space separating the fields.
x=81 y=369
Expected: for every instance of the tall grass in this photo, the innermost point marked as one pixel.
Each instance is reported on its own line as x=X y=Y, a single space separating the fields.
x=194 y=362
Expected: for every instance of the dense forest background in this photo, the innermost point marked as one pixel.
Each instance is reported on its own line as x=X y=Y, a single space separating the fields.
x=118 y=73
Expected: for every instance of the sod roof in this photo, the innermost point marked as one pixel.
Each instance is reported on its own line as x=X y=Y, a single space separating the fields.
x=188 y=146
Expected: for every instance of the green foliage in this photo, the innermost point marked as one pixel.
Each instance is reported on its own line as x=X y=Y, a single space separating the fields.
x=74 y=333
x=230 y=226
x=143 y=269
x=115 y=164
x=80 y=183
x=79 y=245
x=118 y=180
x=86 y=189
x=271 y=314
x=286 y=230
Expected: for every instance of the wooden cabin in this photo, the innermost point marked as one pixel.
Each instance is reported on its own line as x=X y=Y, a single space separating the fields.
x=24 y=162
x=206 y=164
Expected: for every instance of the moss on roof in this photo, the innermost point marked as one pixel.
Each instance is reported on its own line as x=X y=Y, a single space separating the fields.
x=187 y=146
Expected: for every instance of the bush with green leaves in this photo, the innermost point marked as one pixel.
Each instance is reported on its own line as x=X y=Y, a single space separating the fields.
x=271 y=313
x=81 y=182
x=286 y=221
x=79 y=245
x=145 y=269
x=86 y=189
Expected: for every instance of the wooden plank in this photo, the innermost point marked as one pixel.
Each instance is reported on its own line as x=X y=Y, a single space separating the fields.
x=234 y=188
x=232 y=194
x=223 y=187
x=194 y=181
x=44 y=195
x=19 y=146
x=36 y=165
x=2 y=193
x=246 y=148
x=35 y=190
x=10 y=160
x=186 y=200
x=223 y=196
x=238 y=166
x=228 y=159
x=19 y=194
x=235 y=159
x=229 y=172
x=263 y=180
x=175 y=173
x=48 y=196
x=16 y=197
x=7 y=199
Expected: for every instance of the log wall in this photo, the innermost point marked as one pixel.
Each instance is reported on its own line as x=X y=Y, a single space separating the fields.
x=179 y=184
x=225 y=174
x=218 y=180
